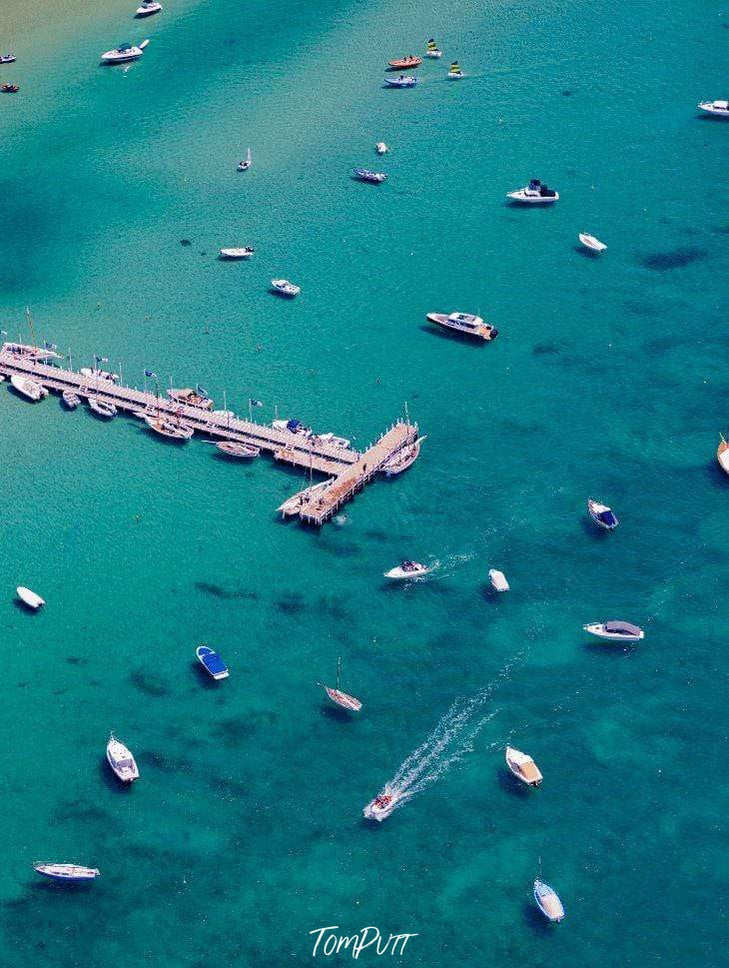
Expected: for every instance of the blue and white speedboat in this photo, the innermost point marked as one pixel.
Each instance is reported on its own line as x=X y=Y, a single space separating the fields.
x=66 y=872
x=364 y=174
x=404 y=80
x=548 y=901
x=602 y=515
x=211 y=662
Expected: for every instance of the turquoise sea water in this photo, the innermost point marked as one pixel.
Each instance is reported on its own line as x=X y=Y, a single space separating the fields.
x=244 y=833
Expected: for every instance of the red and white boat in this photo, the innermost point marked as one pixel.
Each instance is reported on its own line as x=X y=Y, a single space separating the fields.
x=382 y=806
x=340 y=698
x=405 y=63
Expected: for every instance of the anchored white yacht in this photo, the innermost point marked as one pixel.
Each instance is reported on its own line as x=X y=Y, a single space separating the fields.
x=616 y=631
x=147 y=8
x=121 y=760
x=465 y=323
x=535 y=193
x=718 y=108
x=123 y=53
x=408 y=569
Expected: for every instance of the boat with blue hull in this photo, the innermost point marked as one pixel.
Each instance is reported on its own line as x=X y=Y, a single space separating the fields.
x=212 y=662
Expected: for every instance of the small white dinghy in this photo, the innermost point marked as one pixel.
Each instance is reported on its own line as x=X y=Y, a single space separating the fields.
x=548 y=901
x=408 y=569
x=615 y=631
x=28 y=388
x=722 y=454
x=498 y=580
x=591 y=243
x=523 y=767
x=121 y=760
x=382 y=806
x=29 y=598
x=381 y=148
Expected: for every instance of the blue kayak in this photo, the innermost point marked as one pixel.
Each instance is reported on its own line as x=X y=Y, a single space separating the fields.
x=212 y=662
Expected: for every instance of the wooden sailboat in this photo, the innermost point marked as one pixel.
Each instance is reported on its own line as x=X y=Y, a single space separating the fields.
x=342 y=698
x=406 y=456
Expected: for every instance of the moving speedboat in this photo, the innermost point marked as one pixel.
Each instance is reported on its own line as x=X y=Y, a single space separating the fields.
x=364 y=174
x=147 y=8
x=191 y=398
x=402 y=459
x=121 y=760
x=243 y=253
x=67 y=872
x=382 y=806
x=535 y=193
x=96 y=374
x=615 y=631
x=455 y=72
x=591 y=243
x=340 y=698
x=70 y=399
x=211 y=661
x=29 y=598
x=7 y=58
x=498 y=580
x=28 y=388
x=247 y=162
x=285 y=288
x=381 y=148
x=523 y=767
x=465 y=323
x=405 y=63
x=432 y=50
x=101 y=408
x=602 y=515
x=9 y=88
x=408 y=569
x=123 y=53
x=718 y=108
x=722 y=454
x=233 y=448
x=402 y=81
x=548 y=901
x=165 y=426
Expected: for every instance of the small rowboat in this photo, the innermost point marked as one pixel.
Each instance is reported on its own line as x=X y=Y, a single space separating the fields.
x=29 y=598
x=402 y=81
x=121 y=760
x=498 y=580
x=364 y=174
x=382 y=806
x=211 y=662
x=244 y=252
x=602 y=515
x=408 y=569
x=232 y=448
x=67 y=872
x=722 y=454
x=70 y=399
x=548 y=901
x=591 y=243
x=101 y=408
x=523 y=767
x=341 y=698
x=405 y=63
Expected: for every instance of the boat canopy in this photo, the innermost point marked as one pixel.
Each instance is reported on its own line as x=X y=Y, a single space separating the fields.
x=607 y=517
x=622 y=627
x=124 y=47
x=214 y=663
x=293 y=424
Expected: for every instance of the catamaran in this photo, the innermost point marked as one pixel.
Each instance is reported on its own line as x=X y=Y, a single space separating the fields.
x=66 y=872
x=523 y=767
x=383 y=804
x=121 y=760
x=247 y=162
x=432 y=50
x=455 y=73
x=340 y=698
x=28 y=388
x=123 y=53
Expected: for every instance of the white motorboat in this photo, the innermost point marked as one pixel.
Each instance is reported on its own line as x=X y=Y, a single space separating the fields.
x=722 y=454
x=245 y=252
x=383 y=804
x=7 y=58
x=615 y=631
x=28 y=388
x=408 y=569
x=70 y=399
x=29 y=598
x=381 y=148
x=523 y=767
x=718 y=108
x=365 y=174
x=234 y=448
x=66 y=872
x=293 y=426
x=602 y=515
x=498 y=580
x=121 y=760
x=247 y=162
x=123 y=53
x=535 y=193
x=166 y=426
x=96 y=374
x=548 y=901
x=285 y=288
x=101 y=408
x=403 y=458
x=147 y=8
x=591 y=243
x=465 y=323
x=191 y=398
x=335 y=441
x=340 y=698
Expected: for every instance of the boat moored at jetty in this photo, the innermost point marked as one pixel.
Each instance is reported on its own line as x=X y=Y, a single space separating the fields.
x=602 y=515
x=535 y=193
x=285 y=288
x=364 y=174
x=382 y=806
x=67 y=872
x=591 y=243
x=405 y=80
x=191 y=398
x=147 y=8
x=523 y=767
x=432 y=50
x=340 y=698
x=408 y=569
x=498 y=580
x=70 y=399
x=403 y=458
x=233 y=448
x=93 y=373
x=719 y=109
x=615 y=631
x=722 y=454
x=548 y=901
x=405 y=63
x=167 y=427
x=29 y=598
x=120 y=759
x=297 y=502
x=244 y=252
x=124 y=52
x=211 y=662
x=28 y=388
x=466 y=323
x=102 y=408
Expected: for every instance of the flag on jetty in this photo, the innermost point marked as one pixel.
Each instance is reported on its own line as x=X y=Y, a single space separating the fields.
x=255 y=403
x=202 y=391
x=101 y=359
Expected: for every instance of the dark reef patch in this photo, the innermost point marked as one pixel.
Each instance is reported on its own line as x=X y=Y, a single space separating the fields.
x=545 y=349
x=149 y=685
x=210 y=588
x=290 y=604
x=673 y=259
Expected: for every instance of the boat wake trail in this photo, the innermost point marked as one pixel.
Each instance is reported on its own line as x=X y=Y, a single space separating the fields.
x=452 y=738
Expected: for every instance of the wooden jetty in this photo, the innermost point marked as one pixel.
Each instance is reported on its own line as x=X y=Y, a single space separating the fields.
x=349 y=470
